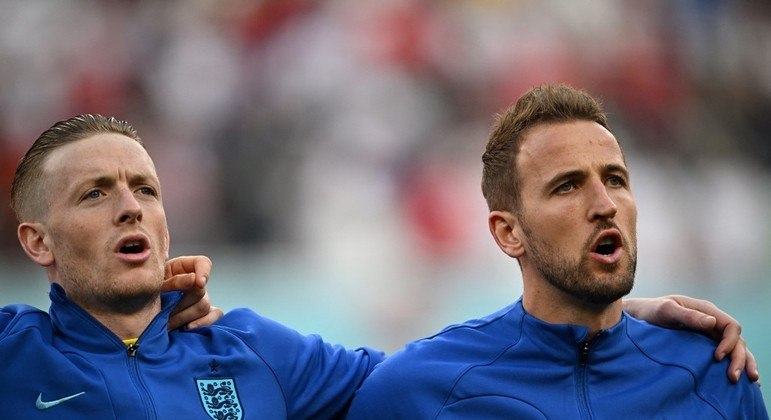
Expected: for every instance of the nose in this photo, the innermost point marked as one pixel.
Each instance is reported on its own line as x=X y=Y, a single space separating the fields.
x=128 y=208
x=602 y=205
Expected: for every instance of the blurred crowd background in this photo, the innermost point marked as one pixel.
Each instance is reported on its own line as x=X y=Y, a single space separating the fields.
x=326 y=154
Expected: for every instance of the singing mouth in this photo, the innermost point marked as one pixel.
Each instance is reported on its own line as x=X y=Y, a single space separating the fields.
x=133 y=248
x=607 y=243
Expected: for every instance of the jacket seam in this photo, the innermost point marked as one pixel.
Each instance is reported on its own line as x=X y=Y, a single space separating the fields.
x=272 y=371
x=69 y=353
x=696 y=388
x=8 y=330
x=468 y=368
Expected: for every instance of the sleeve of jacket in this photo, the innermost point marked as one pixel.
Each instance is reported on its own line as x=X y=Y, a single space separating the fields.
x=411 y=384
x=318 y=379
x=388 y=394
x=753 y=406
x=5 y=320
x=10 y=316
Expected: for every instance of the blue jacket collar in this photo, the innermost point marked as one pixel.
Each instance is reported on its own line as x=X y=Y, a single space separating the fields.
x=78 y=328
x=561 y=341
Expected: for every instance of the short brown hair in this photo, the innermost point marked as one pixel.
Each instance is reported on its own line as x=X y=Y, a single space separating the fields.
x=542 y=104
x=27 y=190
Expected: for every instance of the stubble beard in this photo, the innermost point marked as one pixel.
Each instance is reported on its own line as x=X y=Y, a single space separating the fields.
x=96 y=291
x=574 y=278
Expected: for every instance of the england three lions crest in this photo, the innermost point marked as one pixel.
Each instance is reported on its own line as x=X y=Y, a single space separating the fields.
x=220 y=398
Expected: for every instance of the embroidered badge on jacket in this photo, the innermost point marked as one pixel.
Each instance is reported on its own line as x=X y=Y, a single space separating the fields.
x=220 y=398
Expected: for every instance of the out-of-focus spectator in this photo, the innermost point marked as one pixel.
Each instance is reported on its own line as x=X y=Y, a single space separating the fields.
x=334 y=134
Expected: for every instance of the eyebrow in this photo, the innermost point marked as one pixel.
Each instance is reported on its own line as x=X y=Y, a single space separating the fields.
x=580 y=174
x=100 y=181
x=135 y=178
x=106 y=181
x=563 y=176
x=616 y=168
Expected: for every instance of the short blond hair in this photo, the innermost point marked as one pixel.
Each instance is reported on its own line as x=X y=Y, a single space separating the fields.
x=28 y=198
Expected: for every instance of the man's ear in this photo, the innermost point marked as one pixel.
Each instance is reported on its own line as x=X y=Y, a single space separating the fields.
x=32 y=238
x=507 y=232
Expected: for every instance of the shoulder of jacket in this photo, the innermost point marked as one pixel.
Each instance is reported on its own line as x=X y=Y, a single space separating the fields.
x=18 y=317
x=483 y=337
x=263 y=335
x=666 y=343
x=243 y=323
x=681 y=349
x=246 y=321
x=485 y=325
x=694 y=353
x=434 y=364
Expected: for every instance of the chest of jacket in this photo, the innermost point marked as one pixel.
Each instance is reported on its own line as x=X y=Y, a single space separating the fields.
x=187 y=382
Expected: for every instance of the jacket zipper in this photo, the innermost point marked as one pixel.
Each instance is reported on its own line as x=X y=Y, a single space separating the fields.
x=131 y=352
x=583 y=360
x=144 y=395
x=584 y=356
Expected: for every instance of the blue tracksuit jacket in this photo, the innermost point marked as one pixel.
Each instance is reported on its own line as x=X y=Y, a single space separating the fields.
x=511 y=365
x=66 y=365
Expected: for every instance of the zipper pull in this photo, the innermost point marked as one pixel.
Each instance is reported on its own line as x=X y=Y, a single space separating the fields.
x=132 y=349
x=584 y=357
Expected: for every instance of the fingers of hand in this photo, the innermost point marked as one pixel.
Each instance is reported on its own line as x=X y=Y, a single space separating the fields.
x=730 y=338
x=700 y=305
x=195 y=298
x=203 y=267
x=198 y=264
x=210 y=318
x=738 y=361
x=673 y=314
x=752 y=367
x=708 y=308
x=179 y=282
x=189 y=309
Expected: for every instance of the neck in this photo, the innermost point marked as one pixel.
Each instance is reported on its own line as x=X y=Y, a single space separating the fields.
x=127 y=325
x=547 y=303
x=126 y=313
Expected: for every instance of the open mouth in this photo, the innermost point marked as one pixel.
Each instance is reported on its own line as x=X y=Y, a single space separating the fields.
x=608 y=244
x=133 y=245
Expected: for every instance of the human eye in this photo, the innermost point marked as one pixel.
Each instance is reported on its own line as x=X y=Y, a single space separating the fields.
x=145 y=190
x=616 y=181
x=92 y=195
x=565 y=187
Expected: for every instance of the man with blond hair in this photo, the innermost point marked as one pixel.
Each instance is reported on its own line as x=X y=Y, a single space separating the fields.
x=91 y=213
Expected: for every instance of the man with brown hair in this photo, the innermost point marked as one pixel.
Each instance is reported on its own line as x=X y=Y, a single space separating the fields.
x=560 y=202
x=91 y=213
